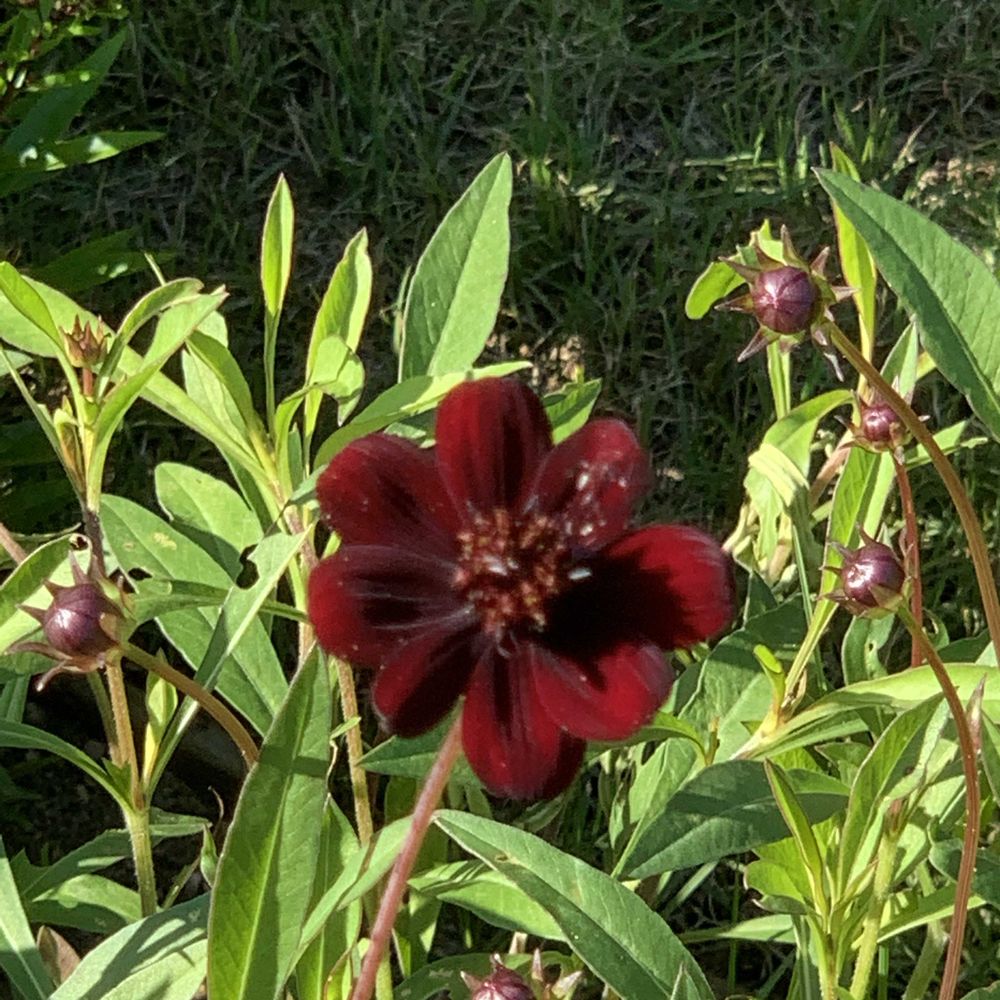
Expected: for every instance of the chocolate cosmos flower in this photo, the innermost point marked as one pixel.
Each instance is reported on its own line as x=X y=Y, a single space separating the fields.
x=500 y=567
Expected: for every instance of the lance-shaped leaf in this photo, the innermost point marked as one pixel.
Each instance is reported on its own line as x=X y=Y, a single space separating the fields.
x=951 y=292
x=452 y=301
x=612 y=930
x=268 y=864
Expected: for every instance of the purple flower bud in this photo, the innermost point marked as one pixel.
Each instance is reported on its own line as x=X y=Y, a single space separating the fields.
x=785 y=299
x=872 y=576
x=501 y=984
x=72 y=624
x=880 y=427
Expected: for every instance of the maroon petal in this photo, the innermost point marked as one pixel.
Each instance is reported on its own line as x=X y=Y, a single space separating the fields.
x=418 y=686
x=592 y=480
x=607 y=696
x=491 y=438
x=384 y=490
x=512 y=743
x=669 y=583
x=367 y=600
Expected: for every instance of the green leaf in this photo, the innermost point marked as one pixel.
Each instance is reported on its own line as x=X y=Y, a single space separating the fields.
x=569 y=408
x=232 y=383
x=454 y=295
x=26 y=585
x=89 y=903
x=151 y=305
x=23 y=333
x=237 y=615
x=991 y=755
x=895 y=755
x=19 y=958
x=489 y=895
x=836 y=714
x=276 y=247
x=267 y=866
x=159 y=958
x=719 y=279
x=626 y=944
x=250 y=676
x=52 y=113
x=19 y=736
x=27 y=168
x=406 y=399
x=93 y=263
x=25 y=299
x=799 y=823
x=275 y=268
x=728 y=689
x=104 y=850
x=208 y=511
x=340 y=932
x=777 y=479
x=362 y=871
x=412 y=758
x=725 y=809
x=342 y=312
x=855 y=259
x=173 y=328
x=951 y=292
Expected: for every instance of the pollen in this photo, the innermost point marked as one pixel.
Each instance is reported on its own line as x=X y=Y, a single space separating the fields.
x=510 y=569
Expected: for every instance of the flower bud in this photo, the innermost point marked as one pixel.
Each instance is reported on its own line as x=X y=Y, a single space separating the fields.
x=85 y=345
x=785 y=299
x=501 y=984
x=880 y=428
x=871 y=578
x=80 y=621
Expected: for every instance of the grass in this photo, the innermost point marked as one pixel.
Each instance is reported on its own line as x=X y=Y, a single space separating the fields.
x=648 y=138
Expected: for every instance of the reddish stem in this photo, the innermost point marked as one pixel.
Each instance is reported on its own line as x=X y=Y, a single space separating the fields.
x=970 y=768
x=911 y=552
x=392 y=898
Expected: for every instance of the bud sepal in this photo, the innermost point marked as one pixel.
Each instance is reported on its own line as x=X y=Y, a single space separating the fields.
x=789 y=297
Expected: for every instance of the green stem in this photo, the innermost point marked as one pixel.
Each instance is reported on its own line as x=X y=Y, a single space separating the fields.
x=137 y=822
x=919 y=985
x=911 y=550
x=967 y=867
x=137 y=815
x=868 y=949
x=963 y=506
x=827 y=972
x=100 y=694
x=196 y=692
x=355 y=751
x=392 y=898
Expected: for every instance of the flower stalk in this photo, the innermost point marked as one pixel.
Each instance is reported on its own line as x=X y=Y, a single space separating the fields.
x=967 y=744
x=967 y=515
x=124 y=754
x=392 y=898
x=215 y=708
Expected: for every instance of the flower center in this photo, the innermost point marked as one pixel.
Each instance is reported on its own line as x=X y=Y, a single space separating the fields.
x=510 y=568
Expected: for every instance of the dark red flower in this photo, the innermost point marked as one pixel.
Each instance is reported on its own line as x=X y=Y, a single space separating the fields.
x=501 y=567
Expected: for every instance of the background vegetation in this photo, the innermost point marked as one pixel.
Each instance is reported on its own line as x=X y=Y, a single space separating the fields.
x=648 y=138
